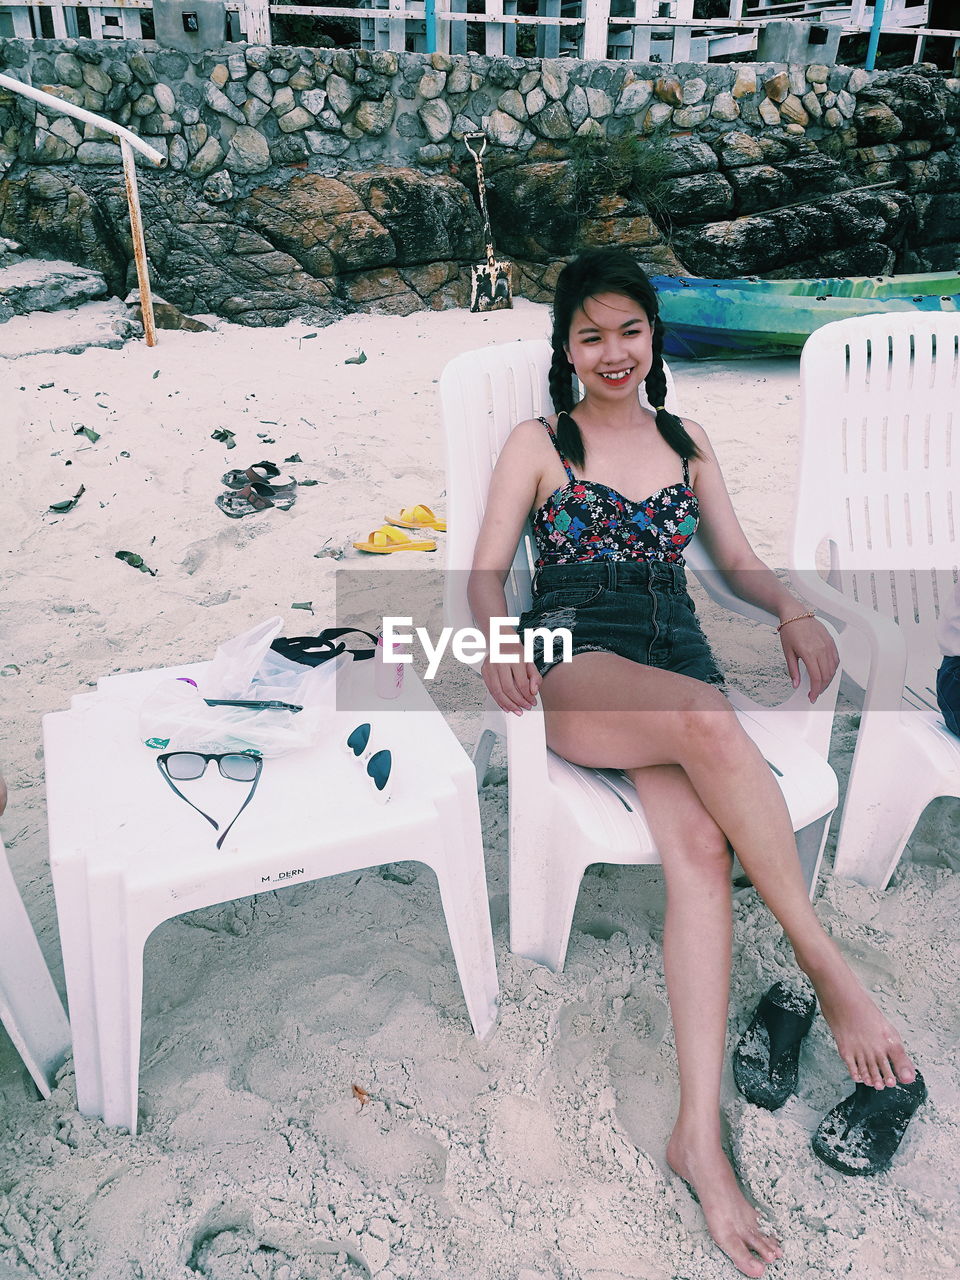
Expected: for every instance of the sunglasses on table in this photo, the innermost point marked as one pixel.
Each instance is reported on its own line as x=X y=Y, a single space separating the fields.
x=378 y=764
x=187 y=766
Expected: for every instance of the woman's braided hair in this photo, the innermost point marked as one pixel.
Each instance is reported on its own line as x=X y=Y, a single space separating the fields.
x=607 y=270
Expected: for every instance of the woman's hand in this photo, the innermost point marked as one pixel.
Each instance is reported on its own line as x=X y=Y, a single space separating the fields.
x=808 y=641
x=513 y=684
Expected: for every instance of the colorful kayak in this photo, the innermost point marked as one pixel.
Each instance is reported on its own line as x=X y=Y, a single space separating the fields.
x=713 y=318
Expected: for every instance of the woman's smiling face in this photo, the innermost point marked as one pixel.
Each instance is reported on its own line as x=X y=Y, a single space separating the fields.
x=610 y=345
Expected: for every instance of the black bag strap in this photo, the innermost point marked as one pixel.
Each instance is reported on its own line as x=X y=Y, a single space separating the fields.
x=312 y=651
x=334 y=633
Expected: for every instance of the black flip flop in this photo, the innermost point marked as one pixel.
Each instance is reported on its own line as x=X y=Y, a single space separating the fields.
x=236 y=503
x=767 y=1057
x=861 y=1134
x=265 y=473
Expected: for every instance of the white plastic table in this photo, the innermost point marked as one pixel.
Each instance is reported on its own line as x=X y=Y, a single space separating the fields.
x=126 y=853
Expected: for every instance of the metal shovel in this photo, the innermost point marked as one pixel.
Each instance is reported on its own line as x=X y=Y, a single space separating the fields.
x=491 y=284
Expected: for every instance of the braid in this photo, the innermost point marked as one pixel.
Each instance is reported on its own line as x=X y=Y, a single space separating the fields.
x=655 y=383
x=569 y=439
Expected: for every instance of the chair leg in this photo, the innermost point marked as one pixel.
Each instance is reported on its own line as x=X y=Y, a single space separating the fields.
x=462 y=879
x=118 y=939
x=481 y=754
x=30 y=1008
x=811 y=842
x=887 y=792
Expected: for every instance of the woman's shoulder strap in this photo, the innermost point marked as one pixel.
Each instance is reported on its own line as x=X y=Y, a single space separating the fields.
x=556 y=444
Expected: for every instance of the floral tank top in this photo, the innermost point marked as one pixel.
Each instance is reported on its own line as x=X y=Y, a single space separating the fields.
x=585 y=521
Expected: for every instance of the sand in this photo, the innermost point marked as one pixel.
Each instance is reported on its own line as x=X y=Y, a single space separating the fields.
x=536 y=1155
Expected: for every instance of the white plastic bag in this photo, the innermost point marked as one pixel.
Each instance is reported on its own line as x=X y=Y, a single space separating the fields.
x=175 y=716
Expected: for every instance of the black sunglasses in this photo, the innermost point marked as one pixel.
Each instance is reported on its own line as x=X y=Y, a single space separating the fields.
x=378 y=765
x=187 y=766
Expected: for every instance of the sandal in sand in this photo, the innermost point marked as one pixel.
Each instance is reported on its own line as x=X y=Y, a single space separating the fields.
x=419 y=517
x=259 y=473
x=386 y=540
x=861 y=1134
x=254 y=498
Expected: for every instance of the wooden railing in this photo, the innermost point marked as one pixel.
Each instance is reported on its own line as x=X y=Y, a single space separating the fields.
x=661 y=30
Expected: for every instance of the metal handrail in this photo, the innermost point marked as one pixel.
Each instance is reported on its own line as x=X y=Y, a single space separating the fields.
x=129 y=142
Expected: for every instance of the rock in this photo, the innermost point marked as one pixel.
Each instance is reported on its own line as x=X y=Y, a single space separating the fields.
x=599 y=103
x=28 y=285
x=669 y=90
x=432 y=84
x=278 y=75
x=759 y=186
x=437 y=119
x=792 y=109
x=693 y=91
x=98 y=153
x=429 y=218
x=63 y=127
x=219 y=102
x=846 y=104
x=691 y=117
x=876 y=123
x=219 y=75
x=218 y=187
x=638 y=232
x=98 y=80
x=634 y=97
x=254 y=110
x=532 y=210
x=207 y=158
x=777 y=88
x=145 y=105
x=502 y=129
x=165 y=314
x=512 y=103
x=302 y=79
x=817 y=73
x=237 y=66
x=832 y=118
x=745 y=83
x=578 y=106
x=196 y=135
x=375 y=118
x=458 y=80
x=660 y=113
x=769 y=112
x=283 y=101
x=534 y=102
x=682 y=156
x=93 y=324
x=69 y=70
x=555 y=79
x=248 y=152
x=725 y=107
x=553 y=122
x=463 y=124
x=326 y=144
x=737 y=149
x=699 y=197
x=314 y=100
x=341 y=94
x=811 y=104
x=858 y=79
x=164 y=98
x=293 y=121
x=178 y=153
x=383 y=292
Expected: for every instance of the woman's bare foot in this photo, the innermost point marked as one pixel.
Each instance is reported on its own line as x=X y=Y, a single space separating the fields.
x=731 y=1219
x=867 y=1043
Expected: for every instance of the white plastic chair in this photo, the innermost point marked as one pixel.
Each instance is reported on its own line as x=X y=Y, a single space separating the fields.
x=126 y=854
x=563 y=818
x=30 y=1008
x=880 y=494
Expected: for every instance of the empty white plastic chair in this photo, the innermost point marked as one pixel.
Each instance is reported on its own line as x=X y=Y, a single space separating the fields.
x=563 y=817
x=30 y=1008
x=879 y=496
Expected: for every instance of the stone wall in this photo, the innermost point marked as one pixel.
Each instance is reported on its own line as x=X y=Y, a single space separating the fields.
x=312 y=181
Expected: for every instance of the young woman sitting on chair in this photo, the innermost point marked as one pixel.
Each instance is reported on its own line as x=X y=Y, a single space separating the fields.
x=643 y=692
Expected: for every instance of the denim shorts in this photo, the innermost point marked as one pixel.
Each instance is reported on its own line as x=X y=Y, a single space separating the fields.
x=637 y=609
x=948 y=693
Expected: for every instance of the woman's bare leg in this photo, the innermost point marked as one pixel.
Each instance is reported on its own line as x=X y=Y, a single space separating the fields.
x=697 y=937
x=604 y=710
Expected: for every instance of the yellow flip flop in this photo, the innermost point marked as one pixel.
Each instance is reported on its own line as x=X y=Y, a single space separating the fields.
x=419 y=517
x=385 y=540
